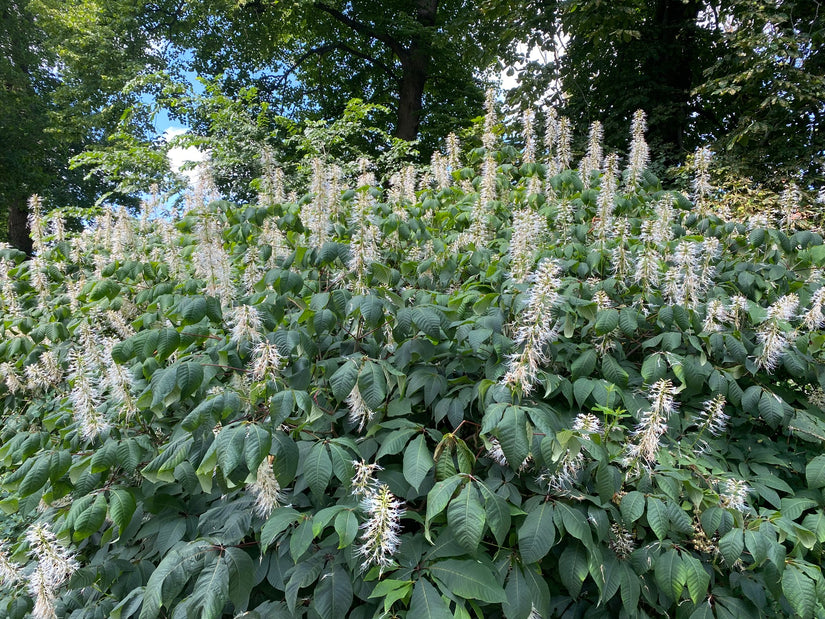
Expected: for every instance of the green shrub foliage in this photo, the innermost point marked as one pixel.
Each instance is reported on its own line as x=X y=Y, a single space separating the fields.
x=494 y=387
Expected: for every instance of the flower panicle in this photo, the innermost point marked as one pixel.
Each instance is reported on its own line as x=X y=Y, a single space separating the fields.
x=380 y=535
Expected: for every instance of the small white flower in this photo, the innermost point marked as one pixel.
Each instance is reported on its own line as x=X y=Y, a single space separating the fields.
x=734 y=494
x=266 y=489
x=359 y=412
x=587 y=423
x=380 y=534
x=56 y=561
x=266 y=360
x=246 y=323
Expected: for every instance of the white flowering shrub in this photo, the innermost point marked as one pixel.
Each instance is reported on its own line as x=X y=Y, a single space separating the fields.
x=506 y=389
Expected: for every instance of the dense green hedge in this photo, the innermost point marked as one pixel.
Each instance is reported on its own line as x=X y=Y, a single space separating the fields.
x=507 y=389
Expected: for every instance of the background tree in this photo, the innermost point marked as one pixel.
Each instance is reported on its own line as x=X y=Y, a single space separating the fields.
x=422 y=59
x=741 y=75
x=63 y=71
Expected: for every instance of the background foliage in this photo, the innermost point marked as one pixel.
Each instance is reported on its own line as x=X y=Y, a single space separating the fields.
x=494 y=387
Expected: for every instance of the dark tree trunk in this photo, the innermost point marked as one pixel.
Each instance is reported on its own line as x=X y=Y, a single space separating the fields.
x=18 y=224
x=671 y=70
x=415 y=67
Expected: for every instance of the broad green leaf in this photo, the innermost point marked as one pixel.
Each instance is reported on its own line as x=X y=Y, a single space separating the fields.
x=344 y=379
x=466 y=517
x=427 y=603
x=537 y=533
x=122 y=506
x=211 y=589
x=517 y=604
x=614 y=372
x=241 y=569
x=172 y=573
x=278 y=522
x=573 y=564
x=391 y=591
x=189 y=377
x=731 y=545
x=256 y=446
x=91 y=519
x=36 y=477
x=606 y=321
x=417 y=461
x=657 y=517
x=317 y=468
x=632 y=506
x=497 y=512
x=670 y=574
x=575 y=522
x=469 y=579
x=512 y=434
x=815 y=473
x=584 y=364
x=696 y=578
x=372 y=384
x=346 y=526
x=438 y=498
x=333 y=595
x=800 y=590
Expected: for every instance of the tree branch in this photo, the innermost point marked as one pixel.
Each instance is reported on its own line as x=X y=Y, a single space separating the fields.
x=328 y=47
x=364 y=29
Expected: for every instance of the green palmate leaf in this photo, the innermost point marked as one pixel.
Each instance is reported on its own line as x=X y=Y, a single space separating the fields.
x=657 y=517
x=427 y=603
x=438 y=498
x=497 y=512
x=317 y=468
x=344 y=379
x=172 y=573
x=696 y=577
x=606 y=321
x=670 y=573
x=211 y=589
x=346 y=526
x=584 y=364
x=800 y=590
x=466 y=518
x=574 y=568
x=256 y=446
x=537 y=533
x=278 y=522
x=614 y=372
x=512 y=434
x=417 y=461
x=574 y=522
x=391 y=591
x=372 y=384
x=333 y=595
x=632 y=506
x=468 y=579
x=91 y=519
x=731 y=545
x=122 y=507
x=815 y=473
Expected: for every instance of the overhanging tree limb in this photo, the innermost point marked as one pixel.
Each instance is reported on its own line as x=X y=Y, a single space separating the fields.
x=364 y=29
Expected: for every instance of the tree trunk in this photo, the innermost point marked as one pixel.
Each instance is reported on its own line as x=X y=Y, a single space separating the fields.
x=19 y=225
x=672 y=70
x=415 y=68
